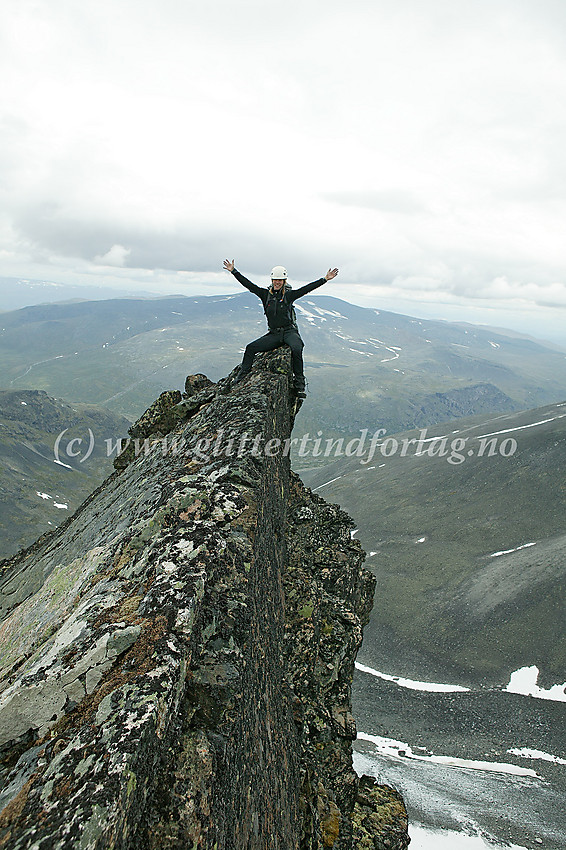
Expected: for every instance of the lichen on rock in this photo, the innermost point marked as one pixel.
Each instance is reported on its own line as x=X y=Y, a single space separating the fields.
x=379 y=818
x=177 y=660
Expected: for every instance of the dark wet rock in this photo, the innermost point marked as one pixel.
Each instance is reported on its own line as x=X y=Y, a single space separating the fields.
x=176 y=663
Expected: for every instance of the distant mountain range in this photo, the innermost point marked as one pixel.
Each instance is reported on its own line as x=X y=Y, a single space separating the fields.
x=17 y=292
x=365 y=367
x=44 y=480
x=467 y=537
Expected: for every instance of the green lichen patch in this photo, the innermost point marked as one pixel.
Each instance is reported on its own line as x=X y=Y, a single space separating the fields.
x=36 y=619
x=379 y=818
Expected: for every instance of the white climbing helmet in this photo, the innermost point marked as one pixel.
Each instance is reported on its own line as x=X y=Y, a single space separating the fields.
x=278 y=273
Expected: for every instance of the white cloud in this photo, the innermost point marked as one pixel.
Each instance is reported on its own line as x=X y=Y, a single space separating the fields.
x=116 y=256
x=417 y=145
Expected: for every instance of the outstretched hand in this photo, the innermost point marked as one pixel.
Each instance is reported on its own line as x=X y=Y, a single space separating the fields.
x=229 y=266
x=331 y=273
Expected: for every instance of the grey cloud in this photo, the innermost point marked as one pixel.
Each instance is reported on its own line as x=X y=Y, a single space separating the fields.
x=49 y=231
x=196 y=247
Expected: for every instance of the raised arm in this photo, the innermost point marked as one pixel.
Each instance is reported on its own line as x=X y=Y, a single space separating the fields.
x=308 y=287
x=257 y=290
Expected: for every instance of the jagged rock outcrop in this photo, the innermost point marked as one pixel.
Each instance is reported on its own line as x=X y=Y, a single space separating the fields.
x=177 y=661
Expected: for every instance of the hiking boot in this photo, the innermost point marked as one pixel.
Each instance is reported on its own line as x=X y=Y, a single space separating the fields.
x=299 y=385
x=243 y=373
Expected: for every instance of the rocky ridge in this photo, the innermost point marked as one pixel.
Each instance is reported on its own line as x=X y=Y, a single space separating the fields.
x=176 y=661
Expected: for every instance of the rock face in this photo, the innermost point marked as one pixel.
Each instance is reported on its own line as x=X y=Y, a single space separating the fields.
x=177 y=661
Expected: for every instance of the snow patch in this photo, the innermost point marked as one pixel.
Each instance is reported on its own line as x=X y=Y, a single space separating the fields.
x=333 y=313
x=394 y=349
x=310 y=316
x=423 y=838
x=365 y=353
x=524 y=681
x=525 y=753
x=508 y=551
x=43 y=495
x=322 y=312
x=522 y=427
x=411 y=683
x=327 y=482
x=400 y=750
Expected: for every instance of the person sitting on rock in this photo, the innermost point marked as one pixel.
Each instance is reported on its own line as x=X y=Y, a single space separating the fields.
x=278 y=307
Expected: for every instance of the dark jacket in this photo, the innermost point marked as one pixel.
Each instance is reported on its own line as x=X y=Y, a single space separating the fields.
x=278 y=306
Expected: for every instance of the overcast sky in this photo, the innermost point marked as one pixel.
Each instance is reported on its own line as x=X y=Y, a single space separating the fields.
x=418 y=145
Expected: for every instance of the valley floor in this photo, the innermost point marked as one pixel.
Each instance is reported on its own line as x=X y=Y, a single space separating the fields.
x=484 y=767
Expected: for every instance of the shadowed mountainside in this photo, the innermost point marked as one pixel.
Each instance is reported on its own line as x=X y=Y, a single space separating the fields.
x=38 y=493
x=467 y=544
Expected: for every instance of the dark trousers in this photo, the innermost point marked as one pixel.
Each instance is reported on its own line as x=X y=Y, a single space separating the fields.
x=272 y=340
